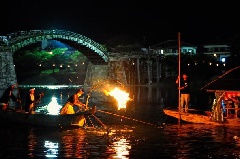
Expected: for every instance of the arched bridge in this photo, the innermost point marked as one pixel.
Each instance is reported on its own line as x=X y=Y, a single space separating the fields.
x=95 y=52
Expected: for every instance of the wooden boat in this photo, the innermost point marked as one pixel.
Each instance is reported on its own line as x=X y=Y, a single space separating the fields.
x=37 y=119
x=201 y=117
x=226 y=105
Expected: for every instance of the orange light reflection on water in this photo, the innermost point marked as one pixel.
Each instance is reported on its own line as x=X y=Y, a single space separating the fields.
x=122 y=148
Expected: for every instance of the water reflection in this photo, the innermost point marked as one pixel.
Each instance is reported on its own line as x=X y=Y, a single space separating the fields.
x=75 y=144
x=121 y=148
x=122 y=139
x=31 y=143
x=154 y=94
x=52 y=149
x=203 y=141
x=188 y=141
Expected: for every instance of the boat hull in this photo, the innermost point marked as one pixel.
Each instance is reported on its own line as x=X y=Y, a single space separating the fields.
x=200 y=118
x=57 y=121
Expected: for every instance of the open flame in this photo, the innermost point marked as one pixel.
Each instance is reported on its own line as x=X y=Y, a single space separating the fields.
x=121 y=97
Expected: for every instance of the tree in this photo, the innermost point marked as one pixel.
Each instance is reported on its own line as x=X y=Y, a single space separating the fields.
x=48 y=59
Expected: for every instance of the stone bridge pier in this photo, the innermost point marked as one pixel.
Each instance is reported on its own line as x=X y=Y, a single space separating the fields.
x=103 y=73
x=7 y=70
x=95 y=74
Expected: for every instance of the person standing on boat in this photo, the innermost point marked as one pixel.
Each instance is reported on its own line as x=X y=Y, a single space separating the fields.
x=7 y=96
x=185 y=92
x=68 y=107
x=31 y=100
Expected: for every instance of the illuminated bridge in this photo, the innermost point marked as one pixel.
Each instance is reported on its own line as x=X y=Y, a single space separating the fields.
x=139 y=67
x=96 y=53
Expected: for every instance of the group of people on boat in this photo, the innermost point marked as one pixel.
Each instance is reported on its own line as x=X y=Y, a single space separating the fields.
x=32 y=99
x=227 y=104
x=231 y=104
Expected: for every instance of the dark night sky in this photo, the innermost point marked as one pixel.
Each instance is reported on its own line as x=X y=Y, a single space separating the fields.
x=157 y=21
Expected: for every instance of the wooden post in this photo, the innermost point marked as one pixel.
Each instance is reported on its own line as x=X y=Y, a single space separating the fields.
x=149 y=68
x=138 y=71
x=158 y=74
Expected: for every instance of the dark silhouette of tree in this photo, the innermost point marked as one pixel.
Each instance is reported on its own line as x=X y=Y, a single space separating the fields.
x=234 y=59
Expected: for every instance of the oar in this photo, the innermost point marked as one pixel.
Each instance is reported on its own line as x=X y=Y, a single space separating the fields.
x=18 y=96
x=88 y=96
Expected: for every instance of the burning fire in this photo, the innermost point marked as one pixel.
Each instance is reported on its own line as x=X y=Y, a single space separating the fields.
x=121 y=97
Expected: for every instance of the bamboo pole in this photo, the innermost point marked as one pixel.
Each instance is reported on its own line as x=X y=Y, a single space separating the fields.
x=179 y=80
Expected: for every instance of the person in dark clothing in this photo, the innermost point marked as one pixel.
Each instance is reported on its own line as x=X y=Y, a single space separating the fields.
x=31 y=100
x=6 y=97
x=185 y=92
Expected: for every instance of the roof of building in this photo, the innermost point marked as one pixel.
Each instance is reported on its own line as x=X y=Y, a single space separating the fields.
x=228 y=82
x=171 y=44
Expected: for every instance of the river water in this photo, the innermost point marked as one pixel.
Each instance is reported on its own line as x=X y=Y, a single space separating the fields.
x=141 y=131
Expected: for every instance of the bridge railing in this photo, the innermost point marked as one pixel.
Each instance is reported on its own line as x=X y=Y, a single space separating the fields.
x=51 y=86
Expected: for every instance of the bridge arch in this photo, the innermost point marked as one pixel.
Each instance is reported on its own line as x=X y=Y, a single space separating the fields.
x=95 y=52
